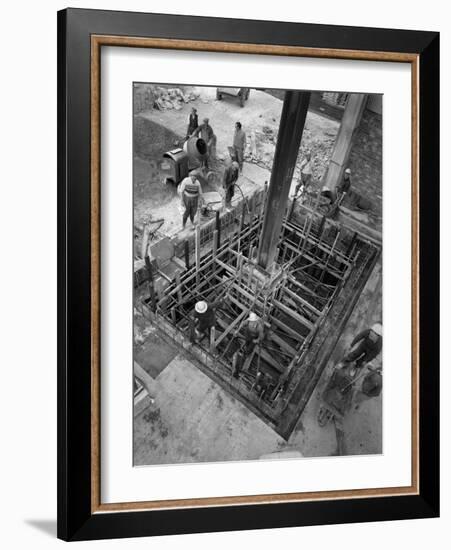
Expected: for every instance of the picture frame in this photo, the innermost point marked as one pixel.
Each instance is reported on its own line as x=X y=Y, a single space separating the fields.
x=81 y=35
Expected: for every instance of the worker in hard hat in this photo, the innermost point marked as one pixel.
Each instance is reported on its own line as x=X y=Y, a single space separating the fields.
x=230 y=177
x=190 y=192
x=345 y=184
x=253 y=332
x=204 y=318
x=305 y=179
x=366 y=346
x=205 y=131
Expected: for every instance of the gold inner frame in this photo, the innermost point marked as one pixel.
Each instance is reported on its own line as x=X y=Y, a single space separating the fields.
x=97 y=41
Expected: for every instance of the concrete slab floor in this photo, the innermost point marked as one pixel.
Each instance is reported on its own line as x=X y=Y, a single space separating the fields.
x=195 y=420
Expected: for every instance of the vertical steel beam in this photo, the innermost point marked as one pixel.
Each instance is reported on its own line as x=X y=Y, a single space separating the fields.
x=291 y=127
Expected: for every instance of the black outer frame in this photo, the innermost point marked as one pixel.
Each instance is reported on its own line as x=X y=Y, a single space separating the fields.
x=75 y=520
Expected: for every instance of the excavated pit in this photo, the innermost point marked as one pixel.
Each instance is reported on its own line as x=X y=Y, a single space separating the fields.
x=304 y=301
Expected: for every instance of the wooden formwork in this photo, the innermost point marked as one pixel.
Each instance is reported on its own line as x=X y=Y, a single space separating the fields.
x=320 y=264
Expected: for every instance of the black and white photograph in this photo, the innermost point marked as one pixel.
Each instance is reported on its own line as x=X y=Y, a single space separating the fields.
x=257 y=274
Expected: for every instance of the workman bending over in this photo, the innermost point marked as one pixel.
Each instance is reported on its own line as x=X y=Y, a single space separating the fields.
x=229 y=179
x=205 y=131
x=190 y=192
x=345 y=184
x=253 y=332
x=366 y=346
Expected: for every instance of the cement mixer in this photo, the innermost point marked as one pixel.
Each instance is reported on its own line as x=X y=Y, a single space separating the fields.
x=178 y=162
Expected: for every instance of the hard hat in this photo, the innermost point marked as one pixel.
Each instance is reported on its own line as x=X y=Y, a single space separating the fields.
x=201 y=307
x=377 y=328
x=235 y=164
x=324 y=188
x=347 y=171
x=194 y=173
x=253 y=316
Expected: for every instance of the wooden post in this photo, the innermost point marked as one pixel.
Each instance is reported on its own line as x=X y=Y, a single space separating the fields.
x=240 y=268
x=179 y=289
x=212 y=339
x=186 y=246
x=243 y=215
x=215 y=242
x=252 y=212
x=160 y=293
x=197 y=253
x=153 y=301
x=218 y=228
x=250 y=266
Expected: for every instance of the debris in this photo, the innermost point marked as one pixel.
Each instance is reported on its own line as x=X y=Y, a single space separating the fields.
x=148 y=96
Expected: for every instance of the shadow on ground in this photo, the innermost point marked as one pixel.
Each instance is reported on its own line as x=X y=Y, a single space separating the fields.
x=46 y=526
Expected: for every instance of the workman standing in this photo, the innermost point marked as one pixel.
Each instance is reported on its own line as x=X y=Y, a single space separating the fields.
x=345 y=184
x=204 y=318
x=366 y=346
x=205 y=131
x=239 y=144
x=229 y=179
x=253 y=332
x=193 y=122
x=190 y=192
x=306 y=172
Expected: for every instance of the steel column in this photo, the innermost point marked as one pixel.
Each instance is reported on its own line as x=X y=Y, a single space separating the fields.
x=291 y=127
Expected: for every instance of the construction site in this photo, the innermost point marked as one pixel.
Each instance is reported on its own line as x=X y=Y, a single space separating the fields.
x=291 y=253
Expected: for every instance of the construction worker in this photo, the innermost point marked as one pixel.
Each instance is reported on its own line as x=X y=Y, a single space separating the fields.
x=253 y=332
x=229 y=179
x=205 y=131
x=190 y=192
x=204 y=318
x=366 y=346
x=345 y=184
x=370 y=387
x=239 y=144
x=328 y=194
x=306 y=172
x=193 y=123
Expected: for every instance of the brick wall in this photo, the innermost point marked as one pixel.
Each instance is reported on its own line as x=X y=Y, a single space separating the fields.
x=365 y=161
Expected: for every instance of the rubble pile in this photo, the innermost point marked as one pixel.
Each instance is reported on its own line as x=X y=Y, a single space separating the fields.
x=149 y=96
x=261 y=146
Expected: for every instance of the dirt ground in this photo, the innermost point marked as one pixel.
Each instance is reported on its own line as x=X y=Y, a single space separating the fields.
x=174 y=428
x=157 y=131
